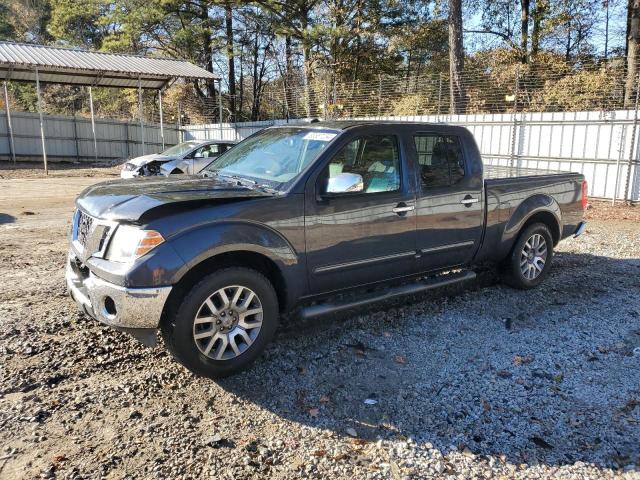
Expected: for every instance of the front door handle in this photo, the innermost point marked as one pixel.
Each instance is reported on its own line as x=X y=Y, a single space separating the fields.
x=403 y=208
x=469 y=200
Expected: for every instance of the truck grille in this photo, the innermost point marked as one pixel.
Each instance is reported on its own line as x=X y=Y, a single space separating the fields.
x=84 y=227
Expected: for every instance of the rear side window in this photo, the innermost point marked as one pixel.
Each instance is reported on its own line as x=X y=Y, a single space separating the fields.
x=440 y=160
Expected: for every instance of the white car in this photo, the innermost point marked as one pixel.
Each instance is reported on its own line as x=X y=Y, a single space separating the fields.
x=187 y=157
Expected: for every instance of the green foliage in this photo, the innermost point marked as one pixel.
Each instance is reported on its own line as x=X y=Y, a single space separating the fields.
x=329 y=55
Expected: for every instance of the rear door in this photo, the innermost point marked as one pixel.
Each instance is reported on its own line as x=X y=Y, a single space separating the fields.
x=450 y=202
x=362 y=236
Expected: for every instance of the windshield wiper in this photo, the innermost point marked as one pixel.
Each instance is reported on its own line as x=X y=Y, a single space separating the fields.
x=241 y=181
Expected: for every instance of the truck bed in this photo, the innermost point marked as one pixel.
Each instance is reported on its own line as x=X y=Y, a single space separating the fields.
x=513 y=193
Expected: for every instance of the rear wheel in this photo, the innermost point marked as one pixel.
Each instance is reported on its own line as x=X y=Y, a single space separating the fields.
x=224 y=322
x=530 y=260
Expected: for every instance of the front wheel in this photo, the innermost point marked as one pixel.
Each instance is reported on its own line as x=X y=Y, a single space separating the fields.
x=224 y=322
x=530 y=260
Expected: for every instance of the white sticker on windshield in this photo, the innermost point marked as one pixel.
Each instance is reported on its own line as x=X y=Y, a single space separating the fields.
x=320 y=136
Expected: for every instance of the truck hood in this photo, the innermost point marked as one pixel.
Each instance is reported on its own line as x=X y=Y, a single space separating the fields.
x=131 y=200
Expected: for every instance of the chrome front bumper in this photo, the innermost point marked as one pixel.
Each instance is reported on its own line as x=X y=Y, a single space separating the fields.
x=116 y=306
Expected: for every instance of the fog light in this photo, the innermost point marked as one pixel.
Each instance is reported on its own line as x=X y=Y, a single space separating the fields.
x=110 y=306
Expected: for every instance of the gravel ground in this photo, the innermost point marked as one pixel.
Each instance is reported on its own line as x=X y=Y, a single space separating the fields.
x=480 y=383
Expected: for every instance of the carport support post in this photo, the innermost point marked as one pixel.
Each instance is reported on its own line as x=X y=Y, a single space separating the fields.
x=93 y=126
x=9 y=125
x=161 y=122
x=141 y=114
x=220 y=104
x=44 y=149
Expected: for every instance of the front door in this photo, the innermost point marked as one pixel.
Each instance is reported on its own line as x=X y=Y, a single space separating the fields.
x=450 y=205
x=366 y=234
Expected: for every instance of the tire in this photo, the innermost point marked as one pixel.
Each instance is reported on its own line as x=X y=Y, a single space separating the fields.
x=527 y=266
x=200 y=345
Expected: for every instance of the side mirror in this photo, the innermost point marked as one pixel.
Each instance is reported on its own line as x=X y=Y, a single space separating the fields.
x=345 y=183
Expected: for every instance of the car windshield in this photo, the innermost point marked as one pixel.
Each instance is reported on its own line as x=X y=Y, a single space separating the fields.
x=273 y=157
x=181 y=148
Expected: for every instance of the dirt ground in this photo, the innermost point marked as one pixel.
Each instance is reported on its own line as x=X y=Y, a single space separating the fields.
x=78 y=400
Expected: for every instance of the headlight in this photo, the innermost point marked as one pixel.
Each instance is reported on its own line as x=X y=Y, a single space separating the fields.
x=129 y=243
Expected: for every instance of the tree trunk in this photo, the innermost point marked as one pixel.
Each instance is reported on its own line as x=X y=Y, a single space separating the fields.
x=456 y=57
x=288 y=75
x=567 y=49
x=255 y=105
x=633 y=44
x=629 y=10
x=231 y=61
x=524 y=26
x=208 y=49
x=606 y=29
x=539 y=13
x=306 y=60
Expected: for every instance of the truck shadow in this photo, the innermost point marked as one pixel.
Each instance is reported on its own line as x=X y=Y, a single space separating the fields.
x=543 y=376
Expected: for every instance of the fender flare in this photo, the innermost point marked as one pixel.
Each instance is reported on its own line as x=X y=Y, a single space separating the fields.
x=533 y=205
x=204 y=242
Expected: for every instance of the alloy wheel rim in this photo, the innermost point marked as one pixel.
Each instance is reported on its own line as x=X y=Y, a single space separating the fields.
x=533 y=257
x=228 y=322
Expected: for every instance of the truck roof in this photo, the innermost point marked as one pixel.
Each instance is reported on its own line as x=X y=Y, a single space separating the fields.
x=346 y=124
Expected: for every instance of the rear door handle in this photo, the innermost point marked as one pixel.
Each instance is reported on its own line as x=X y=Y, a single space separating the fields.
x=403 y=208
x=468 y=200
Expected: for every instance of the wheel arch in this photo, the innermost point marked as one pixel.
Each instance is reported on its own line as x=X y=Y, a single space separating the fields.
x=537 y=208
x=236 y=258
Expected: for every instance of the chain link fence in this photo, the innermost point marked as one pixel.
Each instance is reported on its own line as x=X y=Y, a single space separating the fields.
x=557 y=117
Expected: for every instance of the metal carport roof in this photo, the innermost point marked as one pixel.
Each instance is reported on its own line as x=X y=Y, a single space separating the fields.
x=18 y=62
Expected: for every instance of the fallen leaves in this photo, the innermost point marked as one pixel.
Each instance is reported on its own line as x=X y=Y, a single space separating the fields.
x=522 y=360
x=314 y=412
x=401 y=360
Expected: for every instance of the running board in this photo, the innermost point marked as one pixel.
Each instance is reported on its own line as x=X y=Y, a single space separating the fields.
x=444 y=280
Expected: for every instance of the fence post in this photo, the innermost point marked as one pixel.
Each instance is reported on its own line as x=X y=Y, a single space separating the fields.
x=514 y=130
x=179 y=122
x=633 y=142
x=439 y=94
x=220 y=105
x=75 y=136
x=126 y=141
x=141 y=113
x=379 y=95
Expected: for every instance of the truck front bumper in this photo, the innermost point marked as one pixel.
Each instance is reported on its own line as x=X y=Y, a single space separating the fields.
x=130 y=309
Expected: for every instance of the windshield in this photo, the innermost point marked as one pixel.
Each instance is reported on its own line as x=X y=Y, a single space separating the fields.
x=181 y=148
x=274 y=156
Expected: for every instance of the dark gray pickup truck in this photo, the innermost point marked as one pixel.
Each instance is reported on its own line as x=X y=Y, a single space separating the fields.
x=315 y=218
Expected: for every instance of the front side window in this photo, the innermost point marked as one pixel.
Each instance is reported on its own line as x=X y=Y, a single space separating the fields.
x=440 y=159
x=375 y=158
